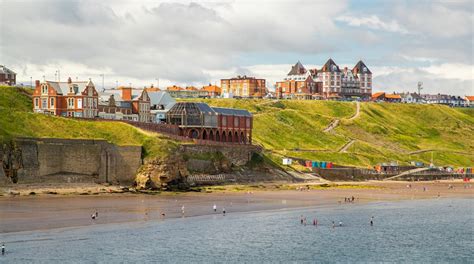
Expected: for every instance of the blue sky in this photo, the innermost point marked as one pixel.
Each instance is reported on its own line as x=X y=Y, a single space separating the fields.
x=194 y=43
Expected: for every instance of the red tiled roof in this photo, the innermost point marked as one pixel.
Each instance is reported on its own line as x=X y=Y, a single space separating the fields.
x=377 y=95
x=393 y=96
x=470 y=98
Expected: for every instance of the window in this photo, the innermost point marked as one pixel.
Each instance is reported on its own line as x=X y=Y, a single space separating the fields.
x=247 y=121
x=52 y=102
x=224 y=121
x=236 y=121
x=36 y=102
x=70 y=102
x=44 y=89
x=44 y=103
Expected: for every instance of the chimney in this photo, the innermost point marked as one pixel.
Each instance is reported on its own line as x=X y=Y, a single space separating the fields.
x=127 y=93
x=69 y=80
x=37 y=83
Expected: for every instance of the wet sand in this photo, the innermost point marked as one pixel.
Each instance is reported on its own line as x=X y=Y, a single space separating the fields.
x=26 y=213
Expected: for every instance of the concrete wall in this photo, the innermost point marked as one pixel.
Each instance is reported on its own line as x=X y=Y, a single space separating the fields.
x=65 y=160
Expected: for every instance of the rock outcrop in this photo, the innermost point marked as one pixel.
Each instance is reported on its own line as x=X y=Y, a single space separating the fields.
x=161 y=171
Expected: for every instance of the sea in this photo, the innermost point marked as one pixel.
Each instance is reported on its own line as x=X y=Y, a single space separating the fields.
x=414 y=231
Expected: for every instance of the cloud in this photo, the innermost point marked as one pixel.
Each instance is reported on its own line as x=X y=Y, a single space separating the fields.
x=179 y=41
x=194 y=43
x=372 y=22
x=454 y=79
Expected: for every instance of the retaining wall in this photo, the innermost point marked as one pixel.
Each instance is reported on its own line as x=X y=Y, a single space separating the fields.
x=66 y=160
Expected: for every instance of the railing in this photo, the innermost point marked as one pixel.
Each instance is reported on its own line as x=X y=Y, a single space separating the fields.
x=168 y=130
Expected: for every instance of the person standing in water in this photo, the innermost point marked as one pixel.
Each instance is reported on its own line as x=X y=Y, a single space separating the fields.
x=372 y=221
x=182 y=210
x=223 y=211
x=215 y=208
x=3 y=248
x=333 y=224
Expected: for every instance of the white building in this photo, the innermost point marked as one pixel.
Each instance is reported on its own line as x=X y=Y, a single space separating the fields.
x=160 y=103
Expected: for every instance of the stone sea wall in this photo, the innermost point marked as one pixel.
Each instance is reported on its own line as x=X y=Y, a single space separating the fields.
x=28 y=160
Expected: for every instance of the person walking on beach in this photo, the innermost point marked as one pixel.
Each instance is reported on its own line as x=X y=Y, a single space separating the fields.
x=3 y=248
x=223 y=211
x=372 y=221
x=215 y=208
x=182 y=210
x=93 y=216
x=96 y=214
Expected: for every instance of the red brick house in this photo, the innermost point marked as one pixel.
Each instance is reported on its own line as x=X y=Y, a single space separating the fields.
x=125 y=103
x=74 y=99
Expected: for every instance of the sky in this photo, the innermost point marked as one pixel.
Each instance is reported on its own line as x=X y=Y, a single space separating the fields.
x=199 y=42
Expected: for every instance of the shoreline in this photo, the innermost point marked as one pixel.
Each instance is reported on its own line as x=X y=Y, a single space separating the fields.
x=44 y=212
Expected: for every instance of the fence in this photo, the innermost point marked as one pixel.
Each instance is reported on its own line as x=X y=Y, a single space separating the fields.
x=209 y=179
x=170 y=131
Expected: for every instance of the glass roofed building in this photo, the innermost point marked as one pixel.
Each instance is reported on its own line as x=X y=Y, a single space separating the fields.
x=200 y=121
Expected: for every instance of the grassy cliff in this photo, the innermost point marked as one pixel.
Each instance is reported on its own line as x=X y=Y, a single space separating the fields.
x=17 y=120
x=382 y=132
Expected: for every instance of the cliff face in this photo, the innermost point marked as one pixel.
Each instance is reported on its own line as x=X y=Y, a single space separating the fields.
x=193 y=160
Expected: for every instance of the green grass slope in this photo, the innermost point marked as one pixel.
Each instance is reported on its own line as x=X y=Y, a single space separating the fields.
x=17 y=120
x=383 y=132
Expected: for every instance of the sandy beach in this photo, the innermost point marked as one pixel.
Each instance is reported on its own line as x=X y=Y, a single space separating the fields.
x=53 y=207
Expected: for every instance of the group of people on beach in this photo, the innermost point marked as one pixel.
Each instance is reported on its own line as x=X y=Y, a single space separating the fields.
x=303 y=221
x=349 y=199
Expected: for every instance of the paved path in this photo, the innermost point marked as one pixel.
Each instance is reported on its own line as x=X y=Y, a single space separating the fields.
x=332 y=125
x=356 y=115
x=408 y=172
x=335 y=122
x=347 y=146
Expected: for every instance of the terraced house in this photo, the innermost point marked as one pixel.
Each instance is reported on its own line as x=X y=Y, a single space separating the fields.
x=125 y=103
x=243 y=86
x=73 y=99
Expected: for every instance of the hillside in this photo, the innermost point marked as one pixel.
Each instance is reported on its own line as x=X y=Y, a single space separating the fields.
x=17 y=120
x=382 y=132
